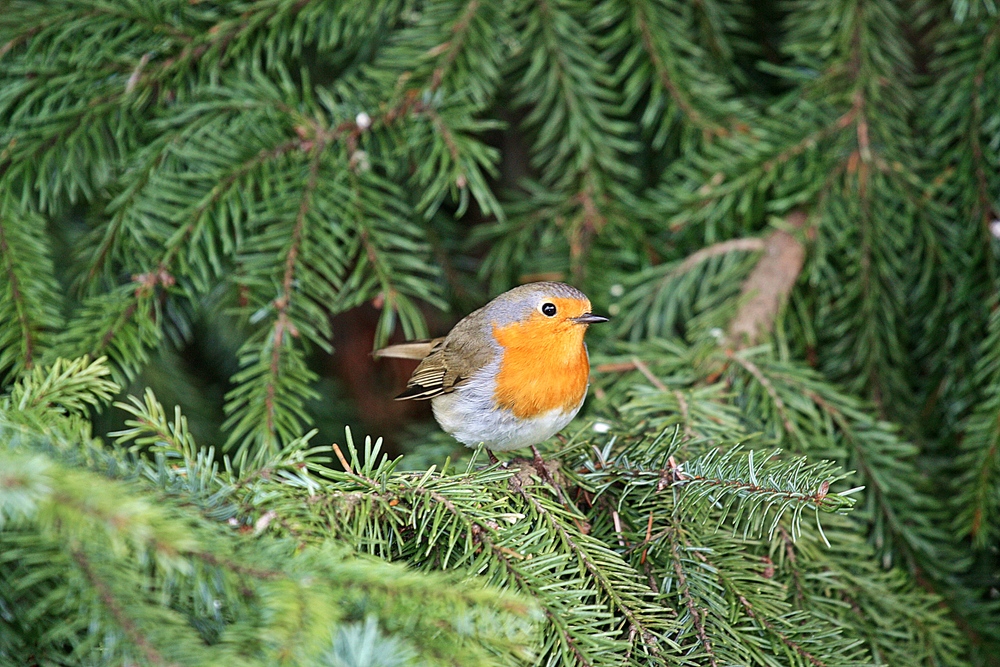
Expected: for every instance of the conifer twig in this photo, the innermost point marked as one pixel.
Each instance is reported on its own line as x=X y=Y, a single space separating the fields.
x=127 y=625
x=17 y=297
x=765 y=382
x=685 y=591
x=666 y=79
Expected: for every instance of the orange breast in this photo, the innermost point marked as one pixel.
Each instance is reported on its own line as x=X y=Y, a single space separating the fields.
x=544 y=366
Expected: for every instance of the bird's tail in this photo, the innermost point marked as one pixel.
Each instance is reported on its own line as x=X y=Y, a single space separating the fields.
x=414 y=349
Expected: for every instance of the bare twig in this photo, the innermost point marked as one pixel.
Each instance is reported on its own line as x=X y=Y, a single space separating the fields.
x=768 y=285
x=644 y=369
x=343 y=461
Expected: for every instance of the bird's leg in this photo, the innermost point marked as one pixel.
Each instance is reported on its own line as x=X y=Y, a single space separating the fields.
x=493 y=457
x=539 y=462
x=541 y=468
x=543 y=473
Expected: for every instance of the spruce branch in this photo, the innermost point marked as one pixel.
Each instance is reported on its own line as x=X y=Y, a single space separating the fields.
x=985 y=201
x=746 y=494
x=655 y=300
x=695 y=612
x=667 y=78
x=295 y=159
x=440 y=525
x=977 y=499
x=123 y=325
x=466 y=50
x=151 y=427
x=688 y=556
x=108 y=248
x=67 y=386
x=614 y=578
x=168 y=547
x=759 y=376
x=963 y=9
x=128 y=626
x=793 y=645
x=866 y=446
x=17 y=298
x=447 y=53
x=282 y=325
x=570 y=107
x=861 y=588
x=29 y=296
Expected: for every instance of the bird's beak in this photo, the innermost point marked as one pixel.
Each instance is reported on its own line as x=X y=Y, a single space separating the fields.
x=588 y=318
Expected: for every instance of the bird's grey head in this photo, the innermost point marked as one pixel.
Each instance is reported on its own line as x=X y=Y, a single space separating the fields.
x=518 y=304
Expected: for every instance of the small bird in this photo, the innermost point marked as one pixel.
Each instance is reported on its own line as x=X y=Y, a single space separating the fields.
x=509 y=375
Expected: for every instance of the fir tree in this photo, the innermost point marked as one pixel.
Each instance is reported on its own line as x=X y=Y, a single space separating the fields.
x=791 y=451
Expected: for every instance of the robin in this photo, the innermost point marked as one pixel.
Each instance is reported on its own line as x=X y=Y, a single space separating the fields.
x=510 y=374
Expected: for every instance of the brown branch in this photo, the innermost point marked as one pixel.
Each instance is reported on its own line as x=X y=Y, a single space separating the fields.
x=117 y=324
x=842 y=122
x=983 y=487
x=582 y=228
x=282 y=322
x=666 y=80
x=715 y=250
x=636 y=364
x=449 y=140
x=648 y=638
x=615 y=367
x=233 y=566
x=864 y=143
x=685 y=413
x=685 y=591
x=23 y=37
x=451 y=48
x=784 y=640
x=107 y=598
x=648 y=374
x=861 y=161
x=790 y=554
x=481 y=534
x=865 y=264
x=767 y=287
x=815 y=498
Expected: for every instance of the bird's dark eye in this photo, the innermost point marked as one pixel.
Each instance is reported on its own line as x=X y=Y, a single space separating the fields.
x=549 y=309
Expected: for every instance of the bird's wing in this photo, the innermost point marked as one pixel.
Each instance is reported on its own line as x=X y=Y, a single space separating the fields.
x=414 y=349
x=450 y=361
x=429 y=378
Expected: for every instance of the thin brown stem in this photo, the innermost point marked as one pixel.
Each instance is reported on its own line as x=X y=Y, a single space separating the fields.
x=113 y=606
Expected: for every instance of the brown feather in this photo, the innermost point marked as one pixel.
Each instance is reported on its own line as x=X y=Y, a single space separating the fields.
x=414 y=349
x=428 y=379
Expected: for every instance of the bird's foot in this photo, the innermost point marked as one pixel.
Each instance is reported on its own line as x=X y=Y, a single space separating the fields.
x=539 y=464
x=542 y=470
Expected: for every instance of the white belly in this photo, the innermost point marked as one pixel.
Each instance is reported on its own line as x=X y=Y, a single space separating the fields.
x=468 y=415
